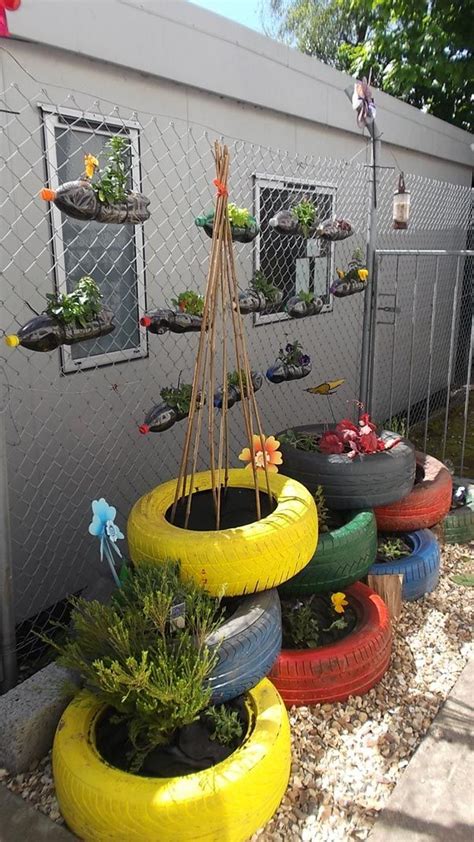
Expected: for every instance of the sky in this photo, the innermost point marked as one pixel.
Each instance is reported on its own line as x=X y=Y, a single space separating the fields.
x=246 y=12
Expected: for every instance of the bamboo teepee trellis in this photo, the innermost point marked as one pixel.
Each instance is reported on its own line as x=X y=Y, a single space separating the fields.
x=220 y=307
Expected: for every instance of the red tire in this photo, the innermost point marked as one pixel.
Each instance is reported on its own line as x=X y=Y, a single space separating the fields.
x=426 y=504
x=348 y=668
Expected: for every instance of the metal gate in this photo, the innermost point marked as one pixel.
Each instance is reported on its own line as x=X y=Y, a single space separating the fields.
x=422 y=340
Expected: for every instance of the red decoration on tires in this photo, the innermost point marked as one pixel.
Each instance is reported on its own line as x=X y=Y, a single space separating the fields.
x=350 y=667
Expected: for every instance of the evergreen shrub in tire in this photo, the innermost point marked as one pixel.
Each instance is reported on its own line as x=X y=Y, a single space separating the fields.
x=368 y=480
x=228 y=801
x=458 y=525
x=343 y=556
x=350 y=667
x=420 y=569
x=249 y=643
x=425 y=505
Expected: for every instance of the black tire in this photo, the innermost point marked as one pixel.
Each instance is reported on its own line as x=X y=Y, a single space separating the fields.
x=420 y=570
x=249 y=644
x=342 y=557
x=458 y=525
x=360 y=483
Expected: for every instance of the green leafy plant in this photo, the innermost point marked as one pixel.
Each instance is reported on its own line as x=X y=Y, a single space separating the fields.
x=189 y=302
x=81 y=305
x=226 y=723
x=233 y=379
x=307 y=297
x=397 y=425
x=392 y=548
x=301 y=624
x=323 y=512
x=264 y=286
x=305 y=213
x=300 y=441
x=239 y=217
x=178 y=397
x=138 y=659
x=111 y=185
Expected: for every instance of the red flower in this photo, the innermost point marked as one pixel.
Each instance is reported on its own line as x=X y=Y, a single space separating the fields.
x=347 y=430
x=330 y=442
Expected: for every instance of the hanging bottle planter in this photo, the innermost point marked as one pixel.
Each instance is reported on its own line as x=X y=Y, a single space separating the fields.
x=401 y=205
x=261 y=296
x=334 y=229
x=352 y=281
x=175 y=407
x=243 y=226
x=67 y=320
x=234 y=394
x=186 y=318
x=291 y=364
x=304 y=304
x=299 y=221
x=106 y=199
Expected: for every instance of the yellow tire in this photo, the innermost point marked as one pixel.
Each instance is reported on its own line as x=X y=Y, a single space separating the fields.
x=226 y=803
x=245 y=559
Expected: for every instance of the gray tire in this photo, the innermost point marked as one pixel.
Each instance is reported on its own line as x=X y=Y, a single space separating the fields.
x=360 y=483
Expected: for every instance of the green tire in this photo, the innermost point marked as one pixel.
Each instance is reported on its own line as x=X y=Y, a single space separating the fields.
x=458 y=525
x=342 y=557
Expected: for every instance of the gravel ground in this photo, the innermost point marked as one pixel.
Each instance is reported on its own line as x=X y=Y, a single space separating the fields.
x=347 y=757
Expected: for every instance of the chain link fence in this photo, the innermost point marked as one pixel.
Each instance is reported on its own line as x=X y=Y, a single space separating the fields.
x=71 y=416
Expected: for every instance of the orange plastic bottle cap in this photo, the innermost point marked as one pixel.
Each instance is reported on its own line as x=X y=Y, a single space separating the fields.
x=48 y=195
x=12 y=341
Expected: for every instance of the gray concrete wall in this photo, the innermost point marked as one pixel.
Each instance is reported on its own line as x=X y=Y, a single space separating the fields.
x=74 y=438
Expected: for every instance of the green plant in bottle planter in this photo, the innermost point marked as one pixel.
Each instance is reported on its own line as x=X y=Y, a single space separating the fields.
x=179 y=397
x=307 y=297
x=189 y=302
x=111 y=185
x=239 y=217
x=81 y=305
x=233 y=379
x=305 y=213
x=265 y=287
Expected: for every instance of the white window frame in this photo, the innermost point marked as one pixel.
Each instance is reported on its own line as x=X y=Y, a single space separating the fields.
x=102 y=126
x=265 y=180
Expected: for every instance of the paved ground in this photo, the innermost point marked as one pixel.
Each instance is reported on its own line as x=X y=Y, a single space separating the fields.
x=19 y=822
x=434 y=799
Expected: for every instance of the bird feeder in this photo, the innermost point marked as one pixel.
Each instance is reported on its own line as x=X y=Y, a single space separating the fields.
x=401 y=205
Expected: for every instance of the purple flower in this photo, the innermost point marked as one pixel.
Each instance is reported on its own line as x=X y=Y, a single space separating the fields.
x=289 y=348
x=304 y=359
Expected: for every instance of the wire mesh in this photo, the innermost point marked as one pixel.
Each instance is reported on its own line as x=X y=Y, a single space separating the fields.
x=72 y=415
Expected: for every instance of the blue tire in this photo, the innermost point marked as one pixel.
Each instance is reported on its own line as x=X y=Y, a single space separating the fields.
x=420 y=570
x=248 y=644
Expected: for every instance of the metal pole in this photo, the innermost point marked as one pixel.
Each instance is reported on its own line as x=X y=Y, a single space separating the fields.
x=450 y=363
x=8 y=664
x=412 y=344
x=466 y=400
x=430 y=366
x=370 y=302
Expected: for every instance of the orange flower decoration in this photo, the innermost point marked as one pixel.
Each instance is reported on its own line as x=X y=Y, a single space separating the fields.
x=268 y=454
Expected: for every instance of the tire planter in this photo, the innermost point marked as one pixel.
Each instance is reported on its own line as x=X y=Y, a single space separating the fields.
x=349 y=667
x=369 y=480
x=78 y=200
x=229 y=801
x=248 y=645
x=44 y=333
x=458 y=525
x=342 y=557
x=426 y=504
x=420 y=570
x=244 y=559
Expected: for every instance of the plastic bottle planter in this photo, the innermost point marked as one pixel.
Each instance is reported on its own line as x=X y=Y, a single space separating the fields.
x=251 y=301
x=162 y=321
x=285 y=222
x=239 y=235
x=43 y=333
x=349 y=286
x=298 y=308
x=280 y=372
x=335 y=229
x=78 y=199
x=160 y=418
x=234 y=394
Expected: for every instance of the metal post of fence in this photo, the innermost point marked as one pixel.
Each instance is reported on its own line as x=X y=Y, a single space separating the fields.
x=8 y=662
x=466 y=399
x=370 y=299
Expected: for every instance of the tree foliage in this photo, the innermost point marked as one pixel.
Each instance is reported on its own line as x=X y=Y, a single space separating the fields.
x=419 y=51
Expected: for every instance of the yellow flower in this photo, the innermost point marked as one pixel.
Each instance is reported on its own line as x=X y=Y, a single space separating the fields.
x=339 y=602
x=268 y=455
x=90 y=163
x=340 y=273
x=363 y=274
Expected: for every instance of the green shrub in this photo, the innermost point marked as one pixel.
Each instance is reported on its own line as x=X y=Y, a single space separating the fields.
x=81 y=305
x=226 y=723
